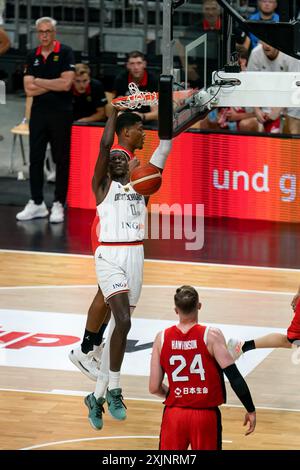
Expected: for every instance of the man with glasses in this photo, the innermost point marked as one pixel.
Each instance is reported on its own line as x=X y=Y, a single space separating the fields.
x=48 y=79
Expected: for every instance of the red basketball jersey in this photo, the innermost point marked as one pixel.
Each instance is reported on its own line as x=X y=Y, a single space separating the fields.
x=195 y=378
x=293 y=331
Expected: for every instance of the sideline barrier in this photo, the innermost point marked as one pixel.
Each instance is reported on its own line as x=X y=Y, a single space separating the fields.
x=246 y=177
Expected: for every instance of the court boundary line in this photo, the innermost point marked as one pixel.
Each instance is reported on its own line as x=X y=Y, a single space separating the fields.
x=102 y=438
x=85 y=439
x=150 y=260
x=79 y=393
x=152 y=286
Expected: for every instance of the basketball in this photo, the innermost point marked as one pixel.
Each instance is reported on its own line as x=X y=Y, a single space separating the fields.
x=146 y=180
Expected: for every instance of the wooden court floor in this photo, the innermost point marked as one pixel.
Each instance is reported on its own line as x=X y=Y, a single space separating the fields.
x=42 y=407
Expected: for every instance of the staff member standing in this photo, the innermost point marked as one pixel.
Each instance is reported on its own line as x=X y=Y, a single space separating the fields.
x=48 y=78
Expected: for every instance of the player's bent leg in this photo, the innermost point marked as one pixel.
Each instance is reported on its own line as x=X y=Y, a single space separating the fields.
x=95 y=407
x=95 y=414
x=88 y=356
x=119 y=304
x=237 y=347
x=116 y=406
x=97 y=313
x=86 y=363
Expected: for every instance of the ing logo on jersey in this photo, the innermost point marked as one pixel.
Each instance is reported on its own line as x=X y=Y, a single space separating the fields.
x=117 y=285
x=178 y=392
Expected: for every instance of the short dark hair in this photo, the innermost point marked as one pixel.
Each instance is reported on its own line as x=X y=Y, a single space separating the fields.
x=126 y=119
x=135 y=54
x=186 y=299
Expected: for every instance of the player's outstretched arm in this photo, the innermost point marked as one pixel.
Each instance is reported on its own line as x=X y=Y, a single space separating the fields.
x=101 y=168
x=217 y=346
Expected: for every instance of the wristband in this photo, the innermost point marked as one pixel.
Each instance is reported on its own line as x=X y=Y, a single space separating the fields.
x=160 y=155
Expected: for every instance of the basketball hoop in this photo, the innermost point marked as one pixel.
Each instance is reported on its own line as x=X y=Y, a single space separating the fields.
x=136 y=99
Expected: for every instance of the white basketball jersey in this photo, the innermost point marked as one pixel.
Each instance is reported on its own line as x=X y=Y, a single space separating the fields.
x=122 y=215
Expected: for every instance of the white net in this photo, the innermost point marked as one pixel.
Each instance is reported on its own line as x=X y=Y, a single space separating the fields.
x=137 y=98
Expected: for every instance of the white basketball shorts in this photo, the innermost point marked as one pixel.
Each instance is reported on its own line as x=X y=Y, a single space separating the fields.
x=119 y=268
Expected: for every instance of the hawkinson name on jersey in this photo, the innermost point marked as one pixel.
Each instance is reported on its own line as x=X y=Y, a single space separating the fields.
x=191 y=344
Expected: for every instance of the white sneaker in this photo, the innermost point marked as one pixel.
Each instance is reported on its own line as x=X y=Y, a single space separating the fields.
x=32 y=211
x=234 y=347
x=57 y=213
x=86 y=363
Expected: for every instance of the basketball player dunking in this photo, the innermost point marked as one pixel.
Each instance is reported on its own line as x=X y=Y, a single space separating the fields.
x=87 y=357
x=119 y=258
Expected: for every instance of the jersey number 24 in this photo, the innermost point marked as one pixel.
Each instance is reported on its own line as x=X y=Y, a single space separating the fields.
x=196 y=367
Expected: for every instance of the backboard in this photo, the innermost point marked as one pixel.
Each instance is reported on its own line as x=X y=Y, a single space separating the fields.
x=191 y=52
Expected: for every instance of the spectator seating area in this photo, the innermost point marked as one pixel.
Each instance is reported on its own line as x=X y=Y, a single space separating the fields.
x=102 y=32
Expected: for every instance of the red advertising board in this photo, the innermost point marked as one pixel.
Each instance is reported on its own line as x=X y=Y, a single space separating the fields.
x=247 y=177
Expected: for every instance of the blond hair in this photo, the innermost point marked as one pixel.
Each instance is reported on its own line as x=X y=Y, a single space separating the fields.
x=81 y=69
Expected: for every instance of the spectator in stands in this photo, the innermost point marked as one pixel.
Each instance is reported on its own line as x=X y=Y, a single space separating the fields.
x=210 y=23
x=48 y=79
x=136 y=72
x=237 y=118
x=211 y=16
x=89 y=98
x=266 y=12
x=234 y=118
x=268 y=59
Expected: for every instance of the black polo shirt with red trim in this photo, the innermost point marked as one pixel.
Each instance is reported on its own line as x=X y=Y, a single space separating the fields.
x=148 y=83
x=60 y=60
x=86 y=104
